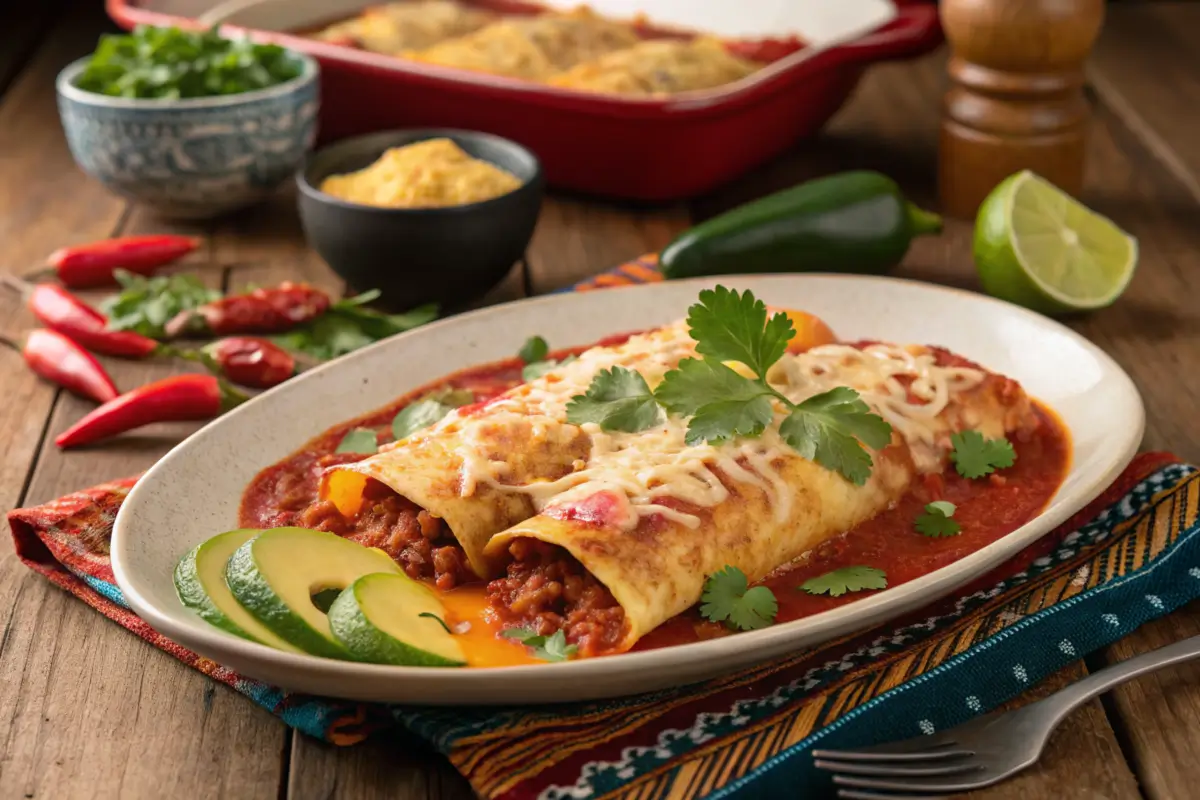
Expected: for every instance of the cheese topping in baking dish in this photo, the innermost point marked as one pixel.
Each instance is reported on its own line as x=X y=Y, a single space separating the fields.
x=636 y=471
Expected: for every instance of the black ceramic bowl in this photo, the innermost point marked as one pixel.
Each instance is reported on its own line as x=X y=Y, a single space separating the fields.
x=449 y=255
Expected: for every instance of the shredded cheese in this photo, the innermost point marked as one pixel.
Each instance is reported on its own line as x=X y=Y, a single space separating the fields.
x=641 y=470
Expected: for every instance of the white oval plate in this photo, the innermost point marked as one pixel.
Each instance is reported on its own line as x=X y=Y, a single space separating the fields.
x=193 y=493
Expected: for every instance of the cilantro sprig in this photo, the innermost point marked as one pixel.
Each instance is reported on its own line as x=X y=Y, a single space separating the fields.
x=937 y=520
x=618 y=399
x=547 y=648
x=727 y=599
x=428 y=411
x=974 y=456
x=846 y=579
x=830 y=428
x=535 y=353
x=358 y=440
x=437 y=619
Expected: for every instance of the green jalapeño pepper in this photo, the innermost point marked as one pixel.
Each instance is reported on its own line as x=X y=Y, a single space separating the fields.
x=851 y=222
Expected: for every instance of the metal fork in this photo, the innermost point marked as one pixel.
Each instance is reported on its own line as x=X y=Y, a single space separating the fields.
x=985 y=750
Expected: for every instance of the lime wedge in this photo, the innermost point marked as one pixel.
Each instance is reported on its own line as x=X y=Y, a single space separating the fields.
x=1038 y=247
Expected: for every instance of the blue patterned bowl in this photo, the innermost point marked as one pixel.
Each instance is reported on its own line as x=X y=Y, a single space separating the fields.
x=194 y=158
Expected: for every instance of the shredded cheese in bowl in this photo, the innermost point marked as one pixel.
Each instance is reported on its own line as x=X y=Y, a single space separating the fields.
x=429 y=174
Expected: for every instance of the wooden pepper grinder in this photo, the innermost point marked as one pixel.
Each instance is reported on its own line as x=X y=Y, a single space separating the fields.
x=1016 y=97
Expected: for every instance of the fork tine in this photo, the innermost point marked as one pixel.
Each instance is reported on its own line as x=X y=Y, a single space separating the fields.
x=855 y=794
x=945 y=783
x=907 y=750
x=894 y=771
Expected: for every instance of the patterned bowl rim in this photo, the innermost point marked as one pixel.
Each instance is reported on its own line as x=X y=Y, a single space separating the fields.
x=65 y=85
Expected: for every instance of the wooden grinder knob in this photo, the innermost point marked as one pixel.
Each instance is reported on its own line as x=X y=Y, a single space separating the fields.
x=1016 y=95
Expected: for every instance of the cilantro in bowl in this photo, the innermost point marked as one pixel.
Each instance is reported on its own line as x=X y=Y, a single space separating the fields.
x=169 y=63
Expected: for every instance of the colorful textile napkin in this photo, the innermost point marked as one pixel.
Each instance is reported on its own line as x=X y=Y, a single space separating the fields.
x=1131 y=556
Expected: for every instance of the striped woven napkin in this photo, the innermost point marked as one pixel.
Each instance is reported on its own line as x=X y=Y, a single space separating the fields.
x=1129 y=557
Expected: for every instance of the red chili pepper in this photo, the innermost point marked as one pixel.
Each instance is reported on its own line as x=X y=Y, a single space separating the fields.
x=182 y=397
x=252 y=362
x=90 y=265
x=62 y=311
x=59 y=360
x=261 y=311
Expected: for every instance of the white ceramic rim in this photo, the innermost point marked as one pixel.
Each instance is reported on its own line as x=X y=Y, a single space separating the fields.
x=65 y=85
x=914 y=593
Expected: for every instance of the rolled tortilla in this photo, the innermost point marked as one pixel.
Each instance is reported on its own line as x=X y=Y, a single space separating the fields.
x=654 y=534
x=458 y=469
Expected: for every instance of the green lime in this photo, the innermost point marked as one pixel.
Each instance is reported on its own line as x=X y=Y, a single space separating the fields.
x=1038 y=247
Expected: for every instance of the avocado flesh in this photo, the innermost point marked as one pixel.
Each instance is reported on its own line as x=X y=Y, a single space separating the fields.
x=275 y=575
x=378 y=619
x=200 y=583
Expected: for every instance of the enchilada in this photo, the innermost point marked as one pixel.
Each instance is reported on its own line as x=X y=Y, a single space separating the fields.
x=627 y=529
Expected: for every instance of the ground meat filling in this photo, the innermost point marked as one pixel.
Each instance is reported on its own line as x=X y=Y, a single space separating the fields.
x=414 y=538
x=548 y=590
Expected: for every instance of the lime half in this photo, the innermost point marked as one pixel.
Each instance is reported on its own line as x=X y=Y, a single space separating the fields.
x=1038 y=247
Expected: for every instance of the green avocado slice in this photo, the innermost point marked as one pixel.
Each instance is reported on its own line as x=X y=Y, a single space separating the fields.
x=275 y=575
x=200 y=583
x=392 y=619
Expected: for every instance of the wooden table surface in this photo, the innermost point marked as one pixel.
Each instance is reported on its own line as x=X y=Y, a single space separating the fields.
x=89 y=710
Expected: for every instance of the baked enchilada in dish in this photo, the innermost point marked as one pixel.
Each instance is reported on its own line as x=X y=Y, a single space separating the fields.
x=575 y=49
x=738 y=468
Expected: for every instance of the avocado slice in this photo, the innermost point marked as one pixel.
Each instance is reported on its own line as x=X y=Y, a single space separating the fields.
x=392 y=619
x=200 y=583
x=275 y=575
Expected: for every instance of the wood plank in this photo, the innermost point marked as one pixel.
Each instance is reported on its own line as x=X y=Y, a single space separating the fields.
x=97 y=712
x=1082 y=759
x=1158 y=712
x=388 y=767
x=26 y=27
x=576 y=239
x=1145 y=68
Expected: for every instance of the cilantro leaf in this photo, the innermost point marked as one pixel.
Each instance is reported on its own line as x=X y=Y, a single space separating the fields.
x=728 y=326
x=347 y=326
x=846 y=579
x=618 y=399
x=145 y=305
x=535 y=349
x=826 y=428
x=547 y=648
x=721 y=402
x=974 y=456
x=936 y=522
x=358 y=440
x=428 y=411
x=440 y=621
x=727 y=599
x=539 y=368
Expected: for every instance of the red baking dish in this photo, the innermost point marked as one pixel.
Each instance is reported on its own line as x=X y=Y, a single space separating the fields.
x=628 y=148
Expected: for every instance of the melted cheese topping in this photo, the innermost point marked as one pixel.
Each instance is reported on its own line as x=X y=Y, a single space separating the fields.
x=639 y=471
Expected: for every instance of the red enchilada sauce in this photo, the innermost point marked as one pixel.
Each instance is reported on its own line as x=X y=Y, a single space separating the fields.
x=546 y=589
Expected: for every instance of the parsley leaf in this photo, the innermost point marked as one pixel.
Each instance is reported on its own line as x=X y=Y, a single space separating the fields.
x=440 y=621
x=535 y=349
x=846 y=579
x=727 y=599
x=428 y=411
x=547 y=648
x=146 y=305
x=358 y=440
x=728 y=326
x=975 y=456
x=721 y=403
x=618 y=399
x=936 y=522
x=824 y=428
